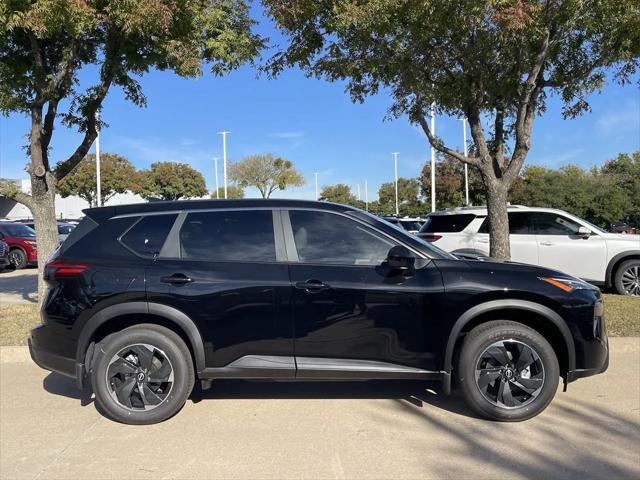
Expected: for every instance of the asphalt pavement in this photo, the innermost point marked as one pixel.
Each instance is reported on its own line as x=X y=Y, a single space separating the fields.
x=368 y=430
x=19 y=286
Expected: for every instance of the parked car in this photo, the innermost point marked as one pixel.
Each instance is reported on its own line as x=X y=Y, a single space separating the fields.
x=4 y=255
x=22 y=244
x=145 y=299
x=546 y=237
x=64 y=228
x=621 y=227
x=410 y=224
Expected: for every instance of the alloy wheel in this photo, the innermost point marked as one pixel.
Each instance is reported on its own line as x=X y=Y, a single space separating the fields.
x=509 y=374
x=140 y=377
x=631 y=280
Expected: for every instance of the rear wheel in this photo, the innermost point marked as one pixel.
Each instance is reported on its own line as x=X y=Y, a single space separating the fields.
x=142 y=374
x=507 y=371
x=17 y=258
x=627 y=278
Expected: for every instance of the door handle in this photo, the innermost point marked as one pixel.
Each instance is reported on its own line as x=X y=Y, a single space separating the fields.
x=176 y=279
x=312 y=286
x=547 y=243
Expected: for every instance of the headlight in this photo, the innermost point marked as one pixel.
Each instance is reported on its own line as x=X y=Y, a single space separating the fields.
x=567 y=284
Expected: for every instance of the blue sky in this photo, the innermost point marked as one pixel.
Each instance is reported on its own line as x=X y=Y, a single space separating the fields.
x=313 y=123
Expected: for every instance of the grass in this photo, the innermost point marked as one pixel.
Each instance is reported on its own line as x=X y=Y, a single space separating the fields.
x=622 y=315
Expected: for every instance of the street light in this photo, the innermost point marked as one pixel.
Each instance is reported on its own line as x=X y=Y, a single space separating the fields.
x=215 y=163
x=224 y=160
x=433 y=159
x=98 y=179
x=466 y=167
x=395 y=168
x=316 y=175
x=366 y=196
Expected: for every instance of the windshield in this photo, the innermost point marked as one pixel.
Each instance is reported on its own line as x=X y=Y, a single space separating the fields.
x=411 y=239
x=17 y=230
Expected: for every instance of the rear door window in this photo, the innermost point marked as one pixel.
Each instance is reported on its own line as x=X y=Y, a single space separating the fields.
x=447 y=223
x=520 y=223
x=240 y=236
x=147 y=236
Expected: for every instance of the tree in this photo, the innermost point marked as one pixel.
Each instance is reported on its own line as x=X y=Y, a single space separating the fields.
x=117 y=175
x=339 y=193
x=450 y=183
x=234 y=192
x=170 y=181
x=624 y=170
x=408 y=193
x=45 y=44
x=265 y=172
x=493 y=62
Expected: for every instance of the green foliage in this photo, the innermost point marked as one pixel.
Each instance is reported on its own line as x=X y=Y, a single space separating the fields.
x=171 y=181
x=450 y=183
x=600 y=195
x=265 y=172
x=408 y=198
x=234 y=192
x=339 y=193
x=117 y=175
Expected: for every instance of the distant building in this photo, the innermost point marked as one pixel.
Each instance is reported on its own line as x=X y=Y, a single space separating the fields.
x=68 y=208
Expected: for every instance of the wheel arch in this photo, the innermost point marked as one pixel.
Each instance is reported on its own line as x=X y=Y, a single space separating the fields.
x=616 y=261
x=127 y=314
x=562 y=343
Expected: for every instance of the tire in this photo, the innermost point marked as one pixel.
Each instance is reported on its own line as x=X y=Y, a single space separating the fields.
x=124 y=365
x=517 y=388
x=627 y=278
x=18 y=259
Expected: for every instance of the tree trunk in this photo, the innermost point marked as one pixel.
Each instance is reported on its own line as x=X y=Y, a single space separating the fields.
x=499 y=245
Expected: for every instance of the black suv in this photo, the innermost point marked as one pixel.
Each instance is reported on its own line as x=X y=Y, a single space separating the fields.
x=145 y=299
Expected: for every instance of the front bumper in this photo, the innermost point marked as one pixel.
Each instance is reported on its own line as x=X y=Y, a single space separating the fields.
x=573 y=375
x=40 y=343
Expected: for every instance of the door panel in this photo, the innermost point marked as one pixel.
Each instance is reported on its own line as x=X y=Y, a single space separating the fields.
x=368 y=313
x=561 y=248
x=522 y=238
x=227 y=280
x=348 y=303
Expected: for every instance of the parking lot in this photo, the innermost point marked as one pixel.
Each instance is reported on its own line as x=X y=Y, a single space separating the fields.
x=19 y=286
x=321 y=430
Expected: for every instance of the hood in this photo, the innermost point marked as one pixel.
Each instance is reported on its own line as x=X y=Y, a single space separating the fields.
x=507 y=266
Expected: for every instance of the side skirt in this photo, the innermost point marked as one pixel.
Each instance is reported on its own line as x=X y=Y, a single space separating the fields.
x=313 y=368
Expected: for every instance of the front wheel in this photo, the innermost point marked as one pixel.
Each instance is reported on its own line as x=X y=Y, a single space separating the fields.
x=627 y=278
x=507 y=371
x=17 y=259
x=142 y=374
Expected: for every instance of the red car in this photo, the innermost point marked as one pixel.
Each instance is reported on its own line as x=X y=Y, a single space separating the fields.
x=22 y=244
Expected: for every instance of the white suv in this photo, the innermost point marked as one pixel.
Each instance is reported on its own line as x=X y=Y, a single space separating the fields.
x=544 y=236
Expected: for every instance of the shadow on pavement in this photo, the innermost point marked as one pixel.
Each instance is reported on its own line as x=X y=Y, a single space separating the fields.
x=19 y=285
x=65 y=386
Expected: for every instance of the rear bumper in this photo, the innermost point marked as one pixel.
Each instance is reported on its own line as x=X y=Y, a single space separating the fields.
x=45 y=358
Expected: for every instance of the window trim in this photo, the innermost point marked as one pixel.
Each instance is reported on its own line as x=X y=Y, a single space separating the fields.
x=141 y=217
x=291 y=244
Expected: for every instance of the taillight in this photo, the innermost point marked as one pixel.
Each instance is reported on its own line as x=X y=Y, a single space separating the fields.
x=61 y=269
x=429 y=238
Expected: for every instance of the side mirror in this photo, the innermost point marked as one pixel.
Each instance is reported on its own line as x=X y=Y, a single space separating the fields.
x=400 y=259
x=584 y=232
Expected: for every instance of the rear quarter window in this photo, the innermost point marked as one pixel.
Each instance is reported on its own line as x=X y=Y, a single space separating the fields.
x=447 y=223
x=148 y=235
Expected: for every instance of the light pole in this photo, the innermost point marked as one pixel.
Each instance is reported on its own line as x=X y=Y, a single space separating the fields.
x=98 y=179
x=316 y=175
x=224 y=160
x=366 y=196
x=395 y=169
x=359 y=192
x=466 y=167
x=215 y=165
x=433 y=159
